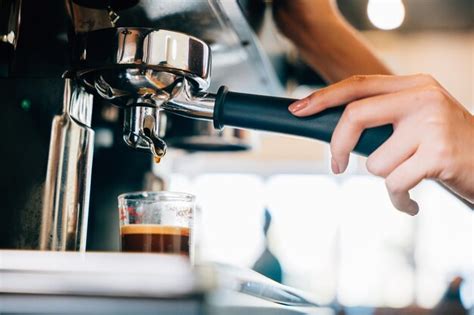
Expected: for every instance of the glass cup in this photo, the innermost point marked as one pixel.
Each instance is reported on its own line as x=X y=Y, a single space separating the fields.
x=157 y=222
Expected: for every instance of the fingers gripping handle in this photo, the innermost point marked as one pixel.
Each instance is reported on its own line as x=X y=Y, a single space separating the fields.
x=268 y=113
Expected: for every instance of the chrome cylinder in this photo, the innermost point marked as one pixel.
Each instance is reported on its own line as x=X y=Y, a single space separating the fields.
x=10 y=12
x=67 y=187
x=188 y=103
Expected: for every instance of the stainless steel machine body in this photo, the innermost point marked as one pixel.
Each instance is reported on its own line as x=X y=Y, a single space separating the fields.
x=140 y=69
x=152 y=59
x=67 y=188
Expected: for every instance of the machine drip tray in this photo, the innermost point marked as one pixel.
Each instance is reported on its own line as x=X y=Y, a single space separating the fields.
x=39 y=282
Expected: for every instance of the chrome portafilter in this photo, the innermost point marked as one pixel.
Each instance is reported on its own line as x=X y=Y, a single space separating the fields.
x=147 y=71
x=140 y=70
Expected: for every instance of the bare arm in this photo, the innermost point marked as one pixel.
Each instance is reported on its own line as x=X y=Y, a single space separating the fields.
x=325 y=40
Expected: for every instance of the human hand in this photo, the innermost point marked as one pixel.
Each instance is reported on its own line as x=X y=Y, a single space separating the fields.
x=433 y=133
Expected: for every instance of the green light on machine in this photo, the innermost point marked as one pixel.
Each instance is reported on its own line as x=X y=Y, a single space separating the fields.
x=25 y=104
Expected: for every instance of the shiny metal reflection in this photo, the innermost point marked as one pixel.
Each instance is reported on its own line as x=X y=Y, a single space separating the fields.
x=146 y=71
x=162 y=69
x=66 y=196
x=10 y=17
x=144 y=128
x=128 y=63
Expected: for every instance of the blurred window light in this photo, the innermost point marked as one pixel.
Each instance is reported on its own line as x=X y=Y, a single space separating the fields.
x=386 y=14
x=305 y=213
x=338 y=236
x=376 y=245
x=444 y=245
x=231 y=217
x=180 y=183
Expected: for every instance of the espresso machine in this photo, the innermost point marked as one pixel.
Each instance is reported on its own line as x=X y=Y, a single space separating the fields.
x=146 y=72
x=36 y=62
x=123 y=81
x=144 y=58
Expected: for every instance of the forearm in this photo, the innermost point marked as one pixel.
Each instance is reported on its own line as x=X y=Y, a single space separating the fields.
x=336 y=51
x=328 y=43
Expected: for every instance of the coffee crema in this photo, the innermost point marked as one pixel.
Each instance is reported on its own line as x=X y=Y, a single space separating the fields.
x=155 y=238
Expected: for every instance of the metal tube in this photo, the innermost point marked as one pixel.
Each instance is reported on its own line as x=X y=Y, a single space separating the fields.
x=66 y=196
x=190 y=104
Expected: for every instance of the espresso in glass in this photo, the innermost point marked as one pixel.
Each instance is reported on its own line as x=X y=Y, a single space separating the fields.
x=155 y=238
x=156 y=222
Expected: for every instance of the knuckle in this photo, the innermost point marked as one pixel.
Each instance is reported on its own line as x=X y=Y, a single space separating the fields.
x=437 y=118
x=318 y=99
x=443 y=153
x=434 y=95
x=393 y=186
x=441 y=157
x=427 y=79
x=374 y=166
x=448 y=172
x=352 y=114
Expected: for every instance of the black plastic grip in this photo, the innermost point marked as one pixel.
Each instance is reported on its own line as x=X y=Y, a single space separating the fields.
x=268 y=113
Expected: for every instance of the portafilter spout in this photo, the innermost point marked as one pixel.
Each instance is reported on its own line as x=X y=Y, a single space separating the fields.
x=143 y=128
x=170 y=71
x=140 y=69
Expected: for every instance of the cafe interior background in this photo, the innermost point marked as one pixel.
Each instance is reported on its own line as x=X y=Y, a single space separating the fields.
x=336 y=237
x=339 y=236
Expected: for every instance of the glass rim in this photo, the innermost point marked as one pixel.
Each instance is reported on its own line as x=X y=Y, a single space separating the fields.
x=156 y=196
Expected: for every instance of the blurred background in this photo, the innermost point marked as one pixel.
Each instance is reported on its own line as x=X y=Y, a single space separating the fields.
x=339 y=237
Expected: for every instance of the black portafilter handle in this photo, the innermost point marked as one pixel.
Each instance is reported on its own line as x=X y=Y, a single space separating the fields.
x=267 y=113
